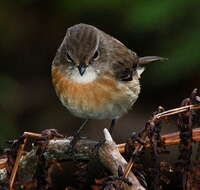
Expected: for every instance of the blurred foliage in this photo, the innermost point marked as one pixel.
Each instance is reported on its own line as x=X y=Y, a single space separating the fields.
x=31 y=31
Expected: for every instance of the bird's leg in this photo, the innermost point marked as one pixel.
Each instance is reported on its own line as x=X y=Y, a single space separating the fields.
x=81 y=127
x=76 y=136
x=112 y=125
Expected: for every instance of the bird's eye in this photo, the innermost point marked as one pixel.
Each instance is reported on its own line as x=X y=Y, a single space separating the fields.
x=69 y=59
x=96 y=55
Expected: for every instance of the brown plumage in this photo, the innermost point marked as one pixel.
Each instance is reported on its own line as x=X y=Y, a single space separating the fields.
x=96 y=76
x=102 y=99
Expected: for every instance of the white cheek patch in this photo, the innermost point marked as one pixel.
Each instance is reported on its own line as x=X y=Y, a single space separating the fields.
x=89 y=76
x=139 y=71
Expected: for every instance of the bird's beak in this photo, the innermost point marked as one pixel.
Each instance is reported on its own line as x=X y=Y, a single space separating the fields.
x=150 y=59
x=82 y=68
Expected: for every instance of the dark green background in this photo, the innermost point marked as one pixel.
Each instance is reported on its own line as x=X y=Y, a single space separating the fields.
x=32 y=30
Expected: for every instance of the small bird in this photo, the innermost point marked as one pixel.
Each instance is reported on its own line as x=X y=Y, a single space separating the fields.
x=96 y=76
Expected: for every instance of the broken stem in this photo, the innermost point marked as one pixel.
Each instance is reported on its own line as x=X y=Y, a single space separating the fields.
x=158 y=116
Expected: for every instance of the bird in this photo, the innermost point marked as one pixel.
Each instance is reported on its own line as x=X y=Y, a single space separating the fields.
x=96 y=76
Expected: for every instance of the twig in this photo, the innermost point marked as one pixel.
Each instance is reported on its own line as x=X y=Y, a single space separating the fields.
x=16 y=165
x=175 y=111
x=168 y=139
x=3 y=162
x=158 y=116
x=19 y=155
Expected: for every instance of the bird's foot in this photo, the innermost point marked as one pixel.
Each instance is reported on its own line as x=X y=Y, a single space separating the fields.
x=72 y=146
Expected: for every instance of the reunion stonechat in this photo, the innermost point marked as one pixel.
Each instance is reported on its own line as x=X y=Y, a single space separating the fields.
x=95 y=76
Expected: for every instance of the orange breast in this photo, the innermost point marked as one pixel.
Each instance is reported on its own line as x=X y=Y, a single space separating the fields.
x=87 y=99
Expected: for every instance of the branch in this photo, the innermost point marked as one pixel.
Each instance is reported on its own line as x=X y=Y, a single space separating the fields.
x=112 y=159
x=58 y=149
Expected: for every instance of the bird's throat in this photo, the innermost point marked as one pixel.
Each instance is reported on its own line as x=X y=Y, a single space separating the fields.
x=89 y=76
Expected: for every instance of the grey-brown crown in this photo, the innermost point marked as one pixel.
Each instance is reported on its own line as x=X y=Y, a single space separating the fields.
x=82 y=41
